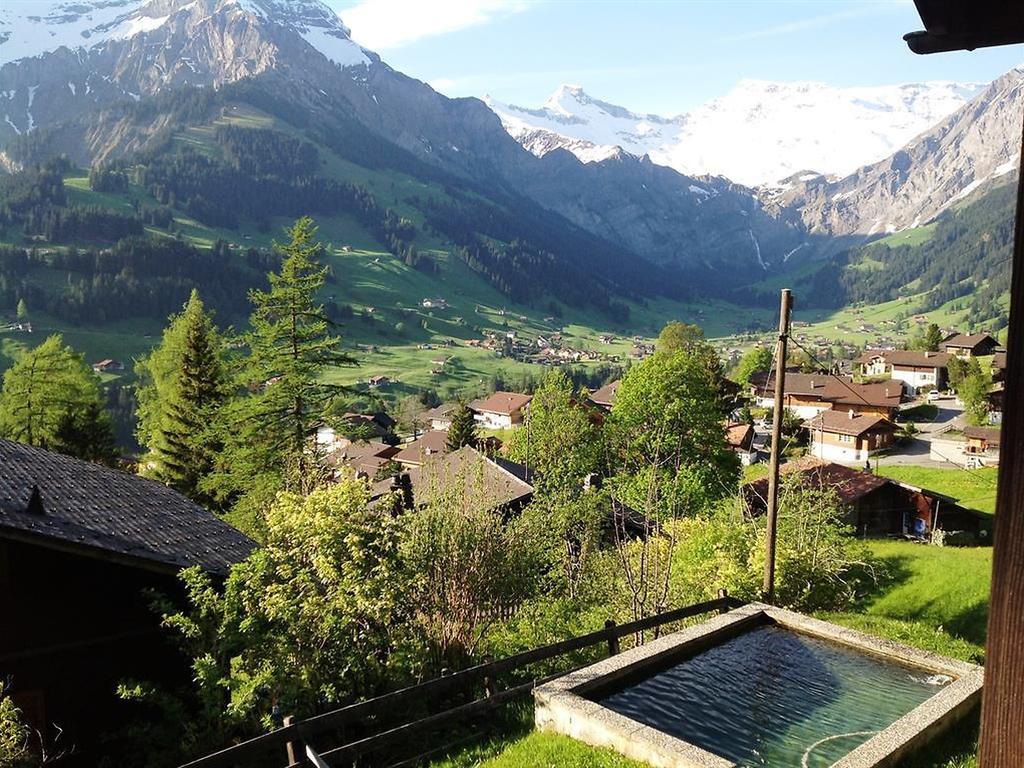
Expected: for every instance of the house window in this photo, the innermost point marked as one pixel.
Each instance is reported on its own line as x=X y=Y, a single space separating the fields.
x=846 y=438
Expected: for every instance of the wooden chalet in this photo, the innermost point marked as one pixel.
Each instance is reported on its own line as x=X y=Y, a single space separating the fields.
x=80 y=544
x=875 y=505
x=493 y=481
x=966 y=345
x=808 y=394
x=604 y=397
x=849 y=436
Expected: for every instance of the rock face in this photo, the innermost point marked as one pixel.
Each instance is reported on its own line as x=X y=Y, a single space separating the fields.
x=976 y=147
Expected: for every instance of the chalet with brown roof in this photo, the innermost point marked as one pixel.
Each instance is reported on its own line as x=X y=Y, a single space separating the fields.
x=999 y=365
x=79 y=546
x=874 y=505
x=415 y=453
x=739 y=436
x=491 y=481
x=808 y=394
x=848 y=436
x=966 y=346
x=916 y=369
x=440 y=418
x=501 y=410
x=604 y=397
x=982 y=447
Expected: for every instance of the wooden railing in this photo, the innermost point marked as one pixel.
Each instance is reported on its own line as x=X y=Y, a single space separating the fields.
x=360 y=727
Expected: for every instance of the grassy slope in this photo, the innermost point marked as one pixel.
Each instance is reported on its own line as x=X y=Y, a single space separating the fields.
x=367 y=276
x=974 y=488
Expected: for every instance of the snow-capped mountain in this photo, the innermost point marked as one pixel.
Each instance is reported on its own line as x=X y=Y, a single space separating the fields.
x=975 y=148
x=90 y=24
x=757 y=134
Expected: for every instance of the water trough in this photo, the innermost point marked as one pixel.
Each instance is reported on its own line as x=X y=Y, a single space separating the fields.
x=762 y=686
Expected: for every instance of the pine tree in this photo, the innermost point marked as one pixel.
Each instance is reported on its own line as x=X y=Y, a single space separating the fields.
x=462 y=431
x=52 y=399
x=269 y=433
x=22 y=310
x=183 y=387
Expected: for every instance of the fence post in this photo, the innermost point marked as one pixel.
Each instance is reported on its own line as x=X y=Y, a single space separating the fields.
x=293 y=756
x=613 y=641
x=723 y=595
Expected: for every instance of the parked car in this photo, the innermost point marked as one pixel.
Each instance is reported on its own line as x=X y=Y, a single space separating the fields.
x=934 y=395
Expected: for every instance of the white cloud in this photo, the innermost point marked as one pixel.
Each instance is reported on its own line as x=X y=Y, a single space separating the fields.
x=383 y=24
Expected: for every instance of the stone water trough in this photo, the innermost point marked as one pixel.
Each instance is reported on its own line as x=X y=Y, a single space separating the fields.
x=762 y=686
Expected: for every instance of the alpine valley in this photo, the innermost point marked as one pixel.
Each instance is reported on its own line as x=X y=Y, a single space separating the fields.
x=153 y=146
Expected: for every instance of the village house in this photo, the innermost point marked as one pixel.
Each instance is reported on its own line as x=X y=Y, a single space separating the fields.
x=376 y=382
x=440 y=418
x=496 y=483
x=966 y=346
x=808 y=394
x=80 y=544
x=502 y=410
x=108 y=366
x=604 y=397
x=434 y=304
x=982 y=446
x=739 y=436
x=999 y=365
x=363 y=459
x=875 y=505
x=917 y=370
x=414 y=453
x=848 y=436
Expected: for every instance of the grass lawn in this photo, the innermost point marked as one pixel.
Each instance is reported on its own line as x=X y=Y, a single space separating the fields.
x=974 y=488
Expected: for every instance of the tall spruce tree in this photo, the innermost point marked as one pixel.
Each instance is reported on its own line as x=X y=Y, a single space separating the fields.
x=462 y=430
x=52 y=399
x=183 y=385
x=269 y=432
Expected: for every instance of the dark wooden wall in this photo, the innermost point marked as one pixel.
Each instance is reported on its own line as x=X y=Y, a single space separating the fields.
x=71 y=629
x=1002 y=718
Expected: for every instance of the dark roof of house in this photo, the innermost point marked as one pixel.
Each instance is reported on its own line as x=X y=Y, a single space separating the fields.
x=841 y=391
x=988 y=434
x=849 y=484
x=433 y=442
x=606 y=395
x=493 y=481
x=907 y=357
x=108 y=513
x=504 y=403
x=846 y=423
x=443 y=411
x=967 y=341
x=999 y=360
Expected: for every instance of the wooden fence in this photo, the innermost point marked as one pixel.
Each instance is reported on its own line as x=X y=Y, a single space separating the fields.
x=391 y=723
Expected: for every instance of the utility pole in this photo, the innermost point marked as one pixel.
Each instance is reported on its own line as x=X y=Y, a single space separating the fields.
x=785 y=309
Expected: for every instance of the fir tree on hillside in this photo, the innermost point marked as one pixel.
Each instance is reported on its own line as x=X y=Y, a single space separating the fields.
x=269 y=433
x=52 y=399
x=184 y=383
x=462 y=431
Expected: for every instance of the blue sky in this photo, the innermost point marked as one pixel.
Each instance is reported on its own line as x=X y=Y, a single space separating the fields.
x=652 y=56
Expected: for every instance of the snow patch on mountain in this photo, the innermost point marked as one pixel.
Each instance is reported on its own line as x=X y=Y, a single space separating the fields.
x=759 y=133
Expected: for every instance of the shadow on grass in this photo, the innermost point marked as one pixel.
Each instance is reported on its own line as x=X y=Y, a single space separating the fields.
x=971 y=623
